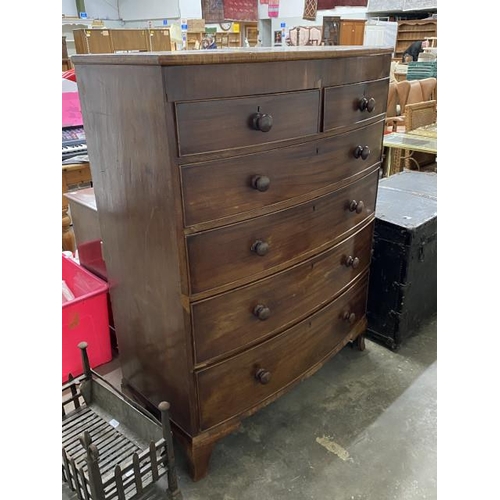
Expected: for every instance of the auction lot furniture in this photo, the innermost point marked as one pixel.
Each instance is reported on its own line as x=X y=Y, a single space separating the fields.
x=236 y=219
x=403 y=275
x=111 y=448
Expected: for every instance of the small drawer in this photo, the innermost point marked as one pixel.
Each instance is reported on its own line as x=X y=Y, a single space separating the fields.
x=350 y=104
x=216 y=189
x=262 y=371
x=250 y=249
x=220 y=124
x=251 y=313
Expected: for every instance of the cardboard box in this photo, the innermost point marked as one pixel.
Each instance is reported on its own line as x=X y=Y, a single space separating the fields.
x=196 y=25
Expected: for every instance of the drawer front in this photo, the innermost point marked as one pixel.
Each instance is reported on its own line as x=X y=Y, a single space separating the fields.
x=217 y=189
x=220 y=124
x=285 y=358
x=345 y=105
x=244 y=316
x=222 y=256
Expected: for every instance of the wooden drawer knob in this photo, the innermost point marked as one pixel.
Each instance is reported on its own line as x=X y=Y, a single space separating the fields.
x=262 y=122
x=260 y=182
x=262 y=312
x=362 y=103
x=352 y=262
x=356 y=206
x=349 y=316
x=260 y=247
x=366 y=104
x=263 y=376
x=362 y=152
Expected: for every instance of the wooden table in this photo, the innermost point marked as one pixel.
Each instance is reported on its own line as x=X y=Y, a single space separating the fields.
x=74 y=176
x=422 y=139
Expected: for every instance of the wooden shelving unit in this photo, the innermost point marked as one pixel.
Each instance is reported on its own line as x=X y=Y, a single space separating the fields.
x=412 y=30
x=252 y=35
x=229 y=39
x=193 y=38
x=352 y=31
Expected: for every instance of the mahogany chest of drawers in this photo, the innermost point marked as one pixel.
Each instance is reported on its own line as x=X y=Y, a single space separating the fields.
x=236 y=193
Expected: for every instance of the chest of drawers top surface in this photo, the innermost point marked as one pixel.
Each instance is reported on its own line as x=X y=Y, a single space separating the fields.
x=237 y=55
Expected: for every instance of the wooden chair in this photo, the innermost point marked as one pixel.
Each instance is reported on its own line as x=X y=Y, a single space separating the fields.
x=403 y=93
x=420 y=114
x=416 y=115
x=396 y=101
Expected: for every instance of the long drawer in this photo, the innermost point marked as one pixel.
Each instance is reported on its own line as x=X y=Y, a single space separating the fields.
x=348 y=104
x=244 y=316
x=220 y=124
x=235 y=385
x=230 y=253
x=217 y=189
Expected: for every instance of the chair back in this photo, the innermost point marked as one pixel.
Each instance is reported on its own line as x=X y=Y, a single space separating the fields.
x=420 y=114
x=392 y=101
x=429 y=88
x=403 y=91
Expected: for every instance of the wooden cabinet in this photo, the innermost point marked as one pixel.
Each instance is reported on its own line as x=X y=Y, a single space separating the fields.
x=236 y=220
x=108 y=41
x=134 y=40
x=159 y=39
x=412 y=30
x=352 y=32
x=66 y=62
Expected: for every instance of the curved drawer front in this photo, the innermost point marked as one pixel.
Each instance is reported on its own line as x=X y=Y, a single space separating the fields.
x=220 y=124
x=235 y=385
x=217 y=189
x=222 y=256
x=244 y=316
x=350 y=104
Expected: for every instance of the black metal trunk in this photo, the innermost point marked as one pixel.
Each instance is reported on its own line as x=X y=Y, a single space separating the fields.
x=403 y=274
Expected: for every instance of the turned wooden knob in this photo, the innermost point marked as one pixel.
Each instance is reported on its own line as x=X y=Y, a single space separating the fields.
x=370 y=105
x=262 y=122
x=349 y=316
x=362 y=152
x=262 y=312
x=260 y=247
x=260 y=182
x=356 y=206
x=352 y=262
x=362 y=103
x=263 y=376
x=366 y=104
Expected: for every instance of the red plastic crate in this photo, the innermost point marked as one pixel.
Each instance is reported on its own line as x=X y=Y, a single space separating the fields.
x=84 y=318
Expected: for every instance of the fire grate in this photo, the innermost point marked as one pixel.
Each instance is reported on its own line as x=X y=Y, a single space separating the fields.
x=111 y=447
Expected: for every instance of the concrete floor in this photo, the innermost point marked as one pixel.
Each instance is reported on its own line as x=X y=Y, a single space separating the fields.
x=361 y=428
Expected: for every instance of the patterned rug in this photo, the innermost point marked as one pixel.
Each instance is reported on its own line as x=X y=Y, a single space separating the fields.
x=241 y=10
x=212 y=10
x=273 y=8
x=331 y=4
x=310 y=8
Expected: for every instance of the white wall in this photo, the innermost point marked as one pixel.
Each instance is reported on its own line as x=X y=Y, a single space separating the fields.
x=96 y=9
x=131 y=10
x=69 y=8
